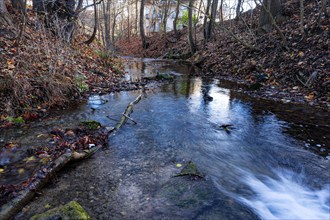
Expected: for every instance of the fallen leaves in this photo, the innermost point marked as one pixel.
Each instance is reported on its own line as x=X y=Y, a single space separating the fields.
x=11 y=64
x=82 y=142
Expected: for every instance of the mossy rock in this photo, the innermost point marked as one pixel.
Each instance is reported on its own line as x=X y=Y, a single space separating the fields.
x=91 y=125
x=190 y=170
x=72 y=210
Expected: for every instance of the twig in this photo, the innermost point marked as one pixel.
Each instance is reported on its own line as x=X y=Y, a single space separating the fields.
x=111 y=118
x=127 y=112
x=189 y=174
x=129 y=118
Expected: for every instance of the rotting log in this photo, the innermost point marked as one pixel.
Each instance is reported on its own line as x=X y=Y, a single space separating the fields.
x=43 y=176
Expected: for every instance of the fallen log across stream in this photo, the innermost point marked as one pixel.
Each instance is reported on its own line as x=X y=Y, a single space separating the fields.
x=45 y=174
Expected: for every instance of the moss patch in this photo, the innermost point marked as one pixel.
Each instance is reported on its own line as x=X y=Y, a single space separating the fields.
x=72 y=210
x=190 y=170
x=92 y=125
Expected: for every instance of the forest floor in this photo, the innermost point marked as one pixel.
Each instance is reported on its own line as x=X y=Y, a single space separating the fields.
x=296 y=73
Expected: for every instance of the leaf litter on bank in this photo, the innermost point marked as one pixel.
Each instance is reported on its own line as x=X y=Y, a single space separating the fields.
x=81 y=141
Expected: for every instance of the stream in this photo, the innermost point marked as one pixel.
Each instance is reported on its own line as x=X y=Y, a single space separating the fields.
x=273 y=162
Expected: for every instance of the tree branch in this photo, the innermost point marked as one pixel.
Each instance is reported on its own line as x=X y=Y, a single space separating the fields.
x=87 y=6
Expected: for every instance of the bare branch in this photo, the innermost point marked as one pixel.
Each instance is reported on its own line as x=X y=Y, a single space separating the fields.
x=87 y=6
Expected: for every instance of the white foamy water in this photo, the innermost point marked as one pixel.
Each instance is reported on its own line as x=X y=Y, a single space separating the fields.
x=287 y=198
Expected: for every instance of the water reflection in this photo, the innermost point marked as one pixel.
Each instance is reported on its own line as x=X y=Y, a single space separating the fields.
x=256 y=164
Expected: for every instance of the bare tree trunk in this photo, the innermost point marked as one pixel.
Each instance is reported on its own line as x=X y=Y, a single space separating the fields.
x=106 y=12
x=212 y=19
x=221 y=11
x=113 y=28
x=142 y=33
x=96 y=21
x=136 y=16
x=175 y=21
x=165 y=14
x=128 y=24
x=190 y=27
x=197 y=18
x=206 y=17
x=238 y=9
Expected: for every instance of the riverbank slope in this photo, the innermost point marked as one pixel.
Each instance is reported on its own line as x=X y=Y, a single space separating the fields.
x=39 y=71
x=297 y=72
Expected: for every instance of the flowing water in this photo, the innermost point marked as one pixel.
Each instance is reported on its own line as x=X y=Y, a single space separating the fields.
x=273 y=162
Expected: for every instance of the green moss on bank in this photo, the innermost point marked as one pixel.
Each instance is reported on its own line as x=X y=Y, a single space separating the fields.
x=72 y=210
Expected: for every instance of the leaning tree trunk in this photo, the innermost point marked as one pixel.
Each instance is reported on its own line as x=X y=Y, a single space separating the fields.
x=190 y=27
x=142 y=33
x=96 y=21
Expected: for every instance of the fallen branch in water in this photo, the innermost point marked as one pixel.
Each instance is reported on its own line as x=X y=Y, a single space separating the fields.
x=44 y=175
x=130 y=118
x=128 y=111
x=39 y=180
